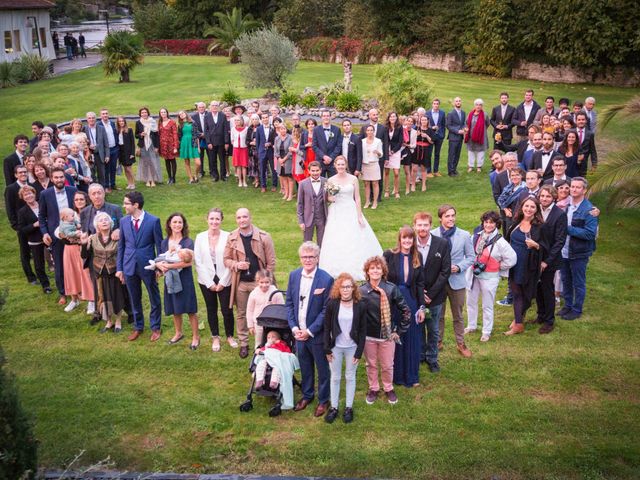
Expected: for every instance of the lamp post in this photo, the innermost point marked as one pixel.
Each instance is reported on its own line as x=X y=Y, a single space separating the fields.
x=106 y=17
x=29 y=24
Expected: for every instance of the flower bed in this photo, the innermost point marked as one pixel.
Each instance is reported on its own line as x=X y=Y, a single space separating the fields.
x=181 y=47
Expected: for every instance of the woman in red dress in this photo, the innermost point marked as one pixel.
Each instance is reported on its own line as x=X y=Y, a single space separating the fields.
x=307 y=144
x=168 y=143
x=240 y=150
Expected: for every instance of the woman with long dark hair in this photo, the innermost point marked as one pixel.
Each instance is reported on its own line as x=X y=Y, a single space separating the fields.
x=168 y=133
x=394 y=129
x=569 y=148
x=127 y=150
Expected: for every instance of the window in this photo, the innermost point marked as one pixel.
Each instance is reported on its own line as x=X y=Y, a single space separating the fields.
x=8 y=44
x=43 y=37
x=34 y=38
x=16 y=40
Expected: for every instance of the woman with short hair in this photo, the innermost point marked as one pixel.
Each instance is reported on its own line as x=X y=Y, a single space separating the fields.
x=476 y=135
x=148 y=143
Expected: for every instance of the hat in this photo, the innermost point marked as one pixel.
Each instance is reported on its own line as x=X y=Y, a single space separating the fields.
x=242 y=107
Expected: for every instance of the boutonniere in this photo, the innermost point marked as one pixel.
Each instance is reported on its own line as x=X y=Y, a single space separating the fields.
x=438 y=254
x=351 y=143
x=331 y=135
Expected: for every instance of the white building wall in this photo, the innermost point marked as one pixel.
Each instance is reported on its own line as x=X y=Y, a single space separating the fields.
x=12 y=20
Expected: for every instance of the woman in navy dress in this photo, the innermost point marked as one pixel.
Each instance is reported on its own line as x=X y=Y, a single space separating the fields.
x=184 y=301
x=405 y=270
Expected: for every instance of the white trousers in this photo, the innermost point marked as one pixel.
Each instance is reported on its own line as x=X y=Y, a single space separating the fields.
x=477 y=157
x=487 y=289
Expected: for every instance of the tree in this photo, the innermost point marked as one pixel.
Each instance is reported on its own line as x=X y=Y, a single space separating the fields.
x=121 y=52
x=299 y=19
x=155 y=21
x=401 y=88
x=621 y=174
x=268 y=58
x=230 y=27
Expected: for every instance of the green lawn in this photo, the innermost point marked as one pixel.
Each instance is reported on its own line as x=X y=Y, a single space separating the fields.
x=563 y=405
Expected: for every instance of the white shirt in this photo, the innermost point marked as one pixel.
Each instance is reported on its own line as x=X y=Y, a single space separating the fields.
x=436 y=116
x=140 y=219
x=316 y=184
x=546 y=211
x=571 y=208
x=527 y=110
x=503 y=109
x=424 y=249
x=110 y=137
x=546 y=157
x=345 y=320
x=201 y=115
x=305 y=293
x=20 y=157
x=92 y=135
x=61 y=198
x=345 y=146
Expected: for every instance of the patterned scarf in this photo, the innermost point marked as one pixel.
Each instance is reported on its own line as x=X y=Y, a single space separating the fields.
x=385 y=313
x=448 y=235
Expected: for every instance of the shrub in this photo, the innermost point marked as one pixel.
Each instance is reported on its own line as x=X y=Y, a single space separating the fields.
x=288 y=99
x=310 y=100
x=349 y=102
x=230 y=96
x=34 y=67
x=155 y=21
x=18 y=446
x=122 y=52
x=8 y=74
x=299 y=19
x=331 y=99
x=180 y=47
x=401 y=88
x=268 y=58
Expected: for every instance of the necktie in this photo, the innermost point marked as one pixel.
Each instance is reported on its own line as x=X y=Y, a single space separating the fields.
x=580 y=133
x=136 y=224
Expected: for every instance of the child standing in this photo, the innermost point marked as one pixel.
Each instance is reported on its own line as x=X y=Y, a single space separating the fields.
x=258 y=299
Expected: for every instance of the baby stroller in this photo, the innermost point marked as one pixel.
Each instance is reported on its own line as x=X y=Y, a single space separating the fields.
x=273 y=317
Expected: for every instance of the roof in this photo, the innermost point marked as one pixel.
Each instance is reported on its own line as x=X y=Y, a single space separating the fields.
x=25 y=4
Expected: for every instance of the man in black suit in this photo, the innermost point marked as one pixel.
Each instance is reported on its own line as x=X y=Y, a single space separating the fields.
x=51 y=201
x=114 y=149
x=36 y=128
x=525 y=114
x=216 y=133
x=554 y=234
x=523 y=146
x=502 y=120
x=327 y=144
x=351 y=148
x=456 y=125
x=99 y=145
x=438 y=124
x=436 y=262
x=21 y=143
x=380 y=131
x=198 y=118
x=541 y=160
x=559 y=167
x=587 y=145
x=13 y=203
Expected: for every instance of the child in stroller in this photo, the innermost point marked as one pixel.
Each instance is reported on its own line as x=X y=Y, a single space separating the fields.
x=278 y=355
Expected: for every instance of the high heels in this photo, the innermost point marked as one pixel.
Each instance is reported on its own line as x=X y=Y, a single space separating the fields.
x=366 y=205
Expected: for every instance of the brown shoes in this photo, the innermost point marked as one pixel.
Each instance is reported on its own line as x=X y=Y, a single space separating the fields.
x=321 y=409
x=134 y=336
x=546 y=328
x=301 y=405
x=515 y=329
x=440 y=346
x=155 y=335
x=464 y=351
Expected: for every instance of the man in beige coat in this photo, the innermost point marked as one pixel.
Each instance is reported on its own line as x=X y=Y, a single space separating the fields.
x=248 y=250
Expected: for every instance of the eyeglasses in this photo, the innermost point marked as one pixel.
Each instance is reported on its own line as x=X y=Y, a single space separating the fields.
x=308 y=257
x=346 y=287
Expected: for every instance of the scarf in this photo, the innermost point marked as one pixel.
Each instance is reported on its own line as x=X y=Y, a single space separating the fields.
x=477 y=135
x=385 y=313
x=149 y=125
x=448 y=235
x=484 y=240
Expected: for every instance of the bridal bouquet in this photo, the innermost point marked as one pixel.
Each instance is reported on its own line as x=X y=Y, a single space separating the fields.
x=332 y=190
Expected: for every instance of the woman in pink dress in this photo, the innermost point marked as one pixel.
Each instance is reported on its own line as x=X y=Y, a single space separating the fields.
x=240 y=150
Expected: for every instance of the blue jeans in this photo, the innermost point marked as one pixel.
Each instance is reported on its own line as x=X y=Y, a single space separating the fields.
x=574 y=282
x=349 y=375
x=430 y=347
x=69 y=52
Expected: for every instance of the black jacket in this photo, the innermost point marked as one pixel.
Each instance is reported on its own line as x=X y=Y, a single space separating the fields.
x=358 y=331
x=26 y=219
x=496 y=118
x=395 y=142
x=536 y=164
x=373 y=308
x=127 y=151
x=216 y=133
x=13 y=203
x=533 y=261
x=416 y=281
x=155 y=136
x=554 y=233
x=436 y=270
x=520 y=116
x=10 y=162
x=354 y=153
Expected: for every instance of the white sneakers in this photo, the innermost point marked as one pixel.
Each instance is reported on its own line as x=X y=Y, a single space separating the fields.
x=72 y=304
x=91 y=308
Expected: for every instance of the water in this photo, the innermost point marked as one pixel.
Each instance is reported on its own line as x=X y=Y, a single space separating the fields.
x=94 y=31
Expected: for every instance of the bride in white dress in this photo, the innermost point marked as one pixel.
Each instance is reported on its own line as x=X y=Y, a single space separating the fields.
x=348 y=239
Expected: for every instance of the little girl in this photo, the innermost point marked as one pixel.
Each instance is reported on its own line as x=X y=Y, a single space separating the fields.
x=258 y=299
x=69 y=224
x=273 y=341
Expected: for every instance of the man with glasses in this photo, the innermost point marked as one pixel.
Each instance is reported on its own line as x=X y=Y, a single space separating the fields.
x=307 y=294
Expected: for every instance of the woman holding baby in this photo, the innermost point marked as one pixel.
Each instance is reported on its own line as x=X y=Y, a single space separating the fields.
x=181 y=300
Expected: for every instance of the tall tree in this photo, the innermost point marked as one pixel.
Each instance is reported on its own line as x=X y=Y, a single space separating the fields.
x=230 y=27
x=122 y=52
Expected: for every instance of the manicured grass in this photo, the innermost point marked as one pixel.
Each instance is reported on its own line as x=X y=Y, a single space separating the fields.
x=563 y=405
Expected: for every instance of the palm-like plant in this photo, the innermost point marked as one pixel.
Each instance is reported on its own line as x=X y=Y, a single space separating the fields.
x=121 y=52
x=621 y=173
x=230 y=27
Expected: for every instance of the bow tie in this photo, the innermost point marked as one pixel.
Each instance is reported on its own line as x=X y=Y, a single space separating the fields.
x=315 y=181
x=327 y=129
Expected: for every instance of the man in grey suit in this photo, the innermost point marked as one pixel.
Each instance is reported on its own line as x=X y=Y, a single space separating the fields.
x=312 y=204
x=462 y=257
x=456 y=120
x=99 y=146
x=592 y=115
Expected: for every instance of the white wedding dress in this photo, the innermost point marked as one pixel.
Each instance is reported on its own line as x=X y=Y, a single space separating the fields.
x=346 y=244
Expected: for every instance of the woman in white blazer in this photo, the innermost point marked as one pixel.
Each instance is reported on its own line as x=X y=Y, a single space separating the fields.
x=214 y=278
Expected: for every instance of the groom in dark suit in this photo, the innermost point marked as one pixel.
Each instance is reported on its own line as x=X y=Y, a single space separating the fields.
x=312 y=205
x=502 y=120
x=307 y=294
x=140 y=238
x=327 y=144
